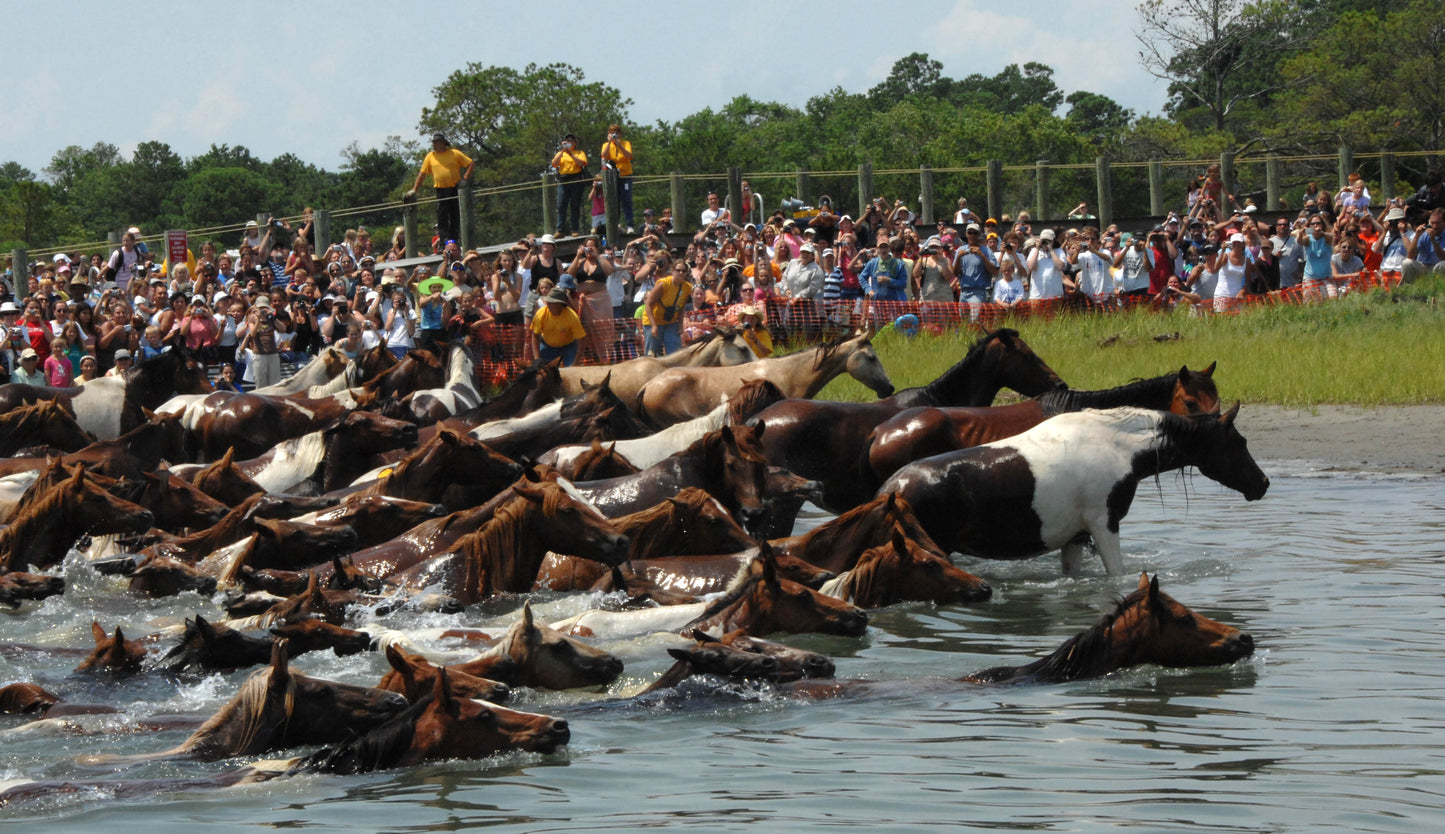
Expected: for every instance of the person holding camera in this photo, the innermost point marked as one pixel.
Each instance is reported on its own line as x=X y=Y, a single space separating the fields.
x=1174 y=294
x=1317 y=242
x=570 y=163
x=1045 y=267
x=264 y=359
x=448 y=167
x=617 y=155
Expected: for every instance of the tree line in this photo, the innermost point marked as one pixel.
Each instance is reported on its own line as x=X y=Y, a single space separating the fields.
x=1251 y=76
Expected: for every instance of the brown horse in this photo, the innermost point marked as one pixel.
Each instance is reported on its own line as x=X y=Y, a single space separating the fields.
x=113 y=653
x=827 y=441
x=793 y=663
x=901 y=571
x=45 y=528
x=162 y=576
x=17 y=587
x=505 y=555
x=330 y=457
x=374 y=518
x=25 y=699
x=278 y=708
x=692 y=523
x=1148 y=626
x=532 y=389
x=596 y=463
x=681 y=394
x=223 y=480
x=442 y=726
x=727 y=463
x=413 y=676
x=250 y=424
x=544 y=658
x=207 y=647
x=838 y=544
x=765 y=603
x=176 y=505
x=717 y=660
x=916 y=433
x=45 y=423
x=450 y=469
x=142 y=449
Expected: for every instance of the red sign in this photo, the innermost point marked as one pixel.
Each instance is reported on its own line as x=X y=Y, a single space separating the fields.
x=176 y=251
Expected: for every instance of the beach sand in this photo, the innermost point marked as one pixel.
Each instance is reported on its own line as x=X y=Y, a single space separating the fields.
x=1393 y=439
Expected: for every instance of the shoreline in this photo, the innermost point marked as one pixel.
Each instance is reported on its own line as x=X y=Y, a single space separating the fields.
x=1385 y=439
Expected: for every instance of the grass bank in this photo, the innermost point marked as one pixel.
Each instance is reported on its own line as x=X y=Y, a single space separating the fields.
x=1371 y=349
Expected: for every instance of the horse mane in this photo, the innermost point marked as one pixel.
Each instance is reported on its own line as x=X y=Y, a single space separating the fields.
x=822 y=353
x=32 y=518
x=1155 y=393
x=376 y=750
x=250 y=703
x=1085 y=655
x=651 y=525
x=711 y=444
x=742 y=584
x=973 y=356
x=858 y=582
x=752 y=398
x=502 y=535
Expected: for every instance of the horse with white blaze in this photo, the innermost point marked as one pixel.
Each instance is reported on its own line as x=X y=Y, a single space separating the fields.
x=1070 y=475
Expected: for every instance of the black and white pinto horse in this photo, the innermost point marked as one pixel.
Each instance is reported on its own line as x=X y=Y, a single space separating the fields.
x=457 y=395
x=1071 y=475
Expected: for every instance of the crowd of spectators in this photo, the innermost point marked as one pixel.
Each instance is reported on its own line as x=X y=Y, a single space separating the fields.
x=275 y=298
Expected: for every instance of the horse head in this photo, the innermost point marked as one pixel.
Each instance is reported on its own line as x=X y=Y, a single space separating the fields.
x=97 y=512
x=162 y=576
x=460 y=727
x=413 y=676
x=763 y=602
x=113 y=653
x=704 y=519
x=25 y=699
x=549 y=659
x=372 y=433
x=176 y=503
x=1195 y=392
x=736 y=471
x=864 y=365
x=318 y=635
x=207 y=647
x=571 y=525
x=903 y=571
x=1152 y=627
x=320 y=711
x=793 y=664
x=1216 y=447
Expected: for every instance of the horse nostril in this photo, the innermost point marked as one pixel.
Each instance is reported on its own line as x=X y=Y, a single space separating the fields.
x=1245 y=639
x=501 y=692
x=985 y=590
x=559 y=725
x=818 y=667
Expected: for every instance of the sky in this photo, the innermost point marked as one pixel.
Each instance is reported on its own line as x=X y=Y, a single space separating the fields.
x=312 y=78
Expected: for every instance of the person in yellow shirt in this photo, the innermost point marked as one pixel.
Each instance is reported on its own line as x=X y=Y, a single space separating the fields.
x=617 y=153
x=448 y=168
x=755 y=333
x=662 y=323
x=556 y=329
x=572 y=179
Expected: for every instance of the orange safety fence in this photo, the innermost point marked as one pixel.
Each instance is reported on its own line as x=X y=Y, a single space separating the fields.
x=817 y=320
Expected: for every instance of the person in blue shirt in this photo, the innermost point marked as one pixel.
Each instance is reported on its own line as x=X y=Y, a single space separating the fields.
x=885 y=278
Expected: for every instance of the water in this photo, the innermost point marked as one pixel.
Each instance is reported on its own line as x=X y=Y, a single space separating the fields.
x=1335 y=724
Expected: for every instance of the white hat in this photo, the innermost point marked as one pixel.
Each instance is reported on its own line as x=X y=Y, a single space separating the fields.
x=29 y=353
x=251 y=224
x=547 y=239
x=9 y=307
x=133 y=230
x=826 y=253
x=61 y=258
x=1046 y=234
x=973 y=227
x=809 y=248
x=1395 y=213
x=1236 y=238
x=810 y=231
x=1250 y=209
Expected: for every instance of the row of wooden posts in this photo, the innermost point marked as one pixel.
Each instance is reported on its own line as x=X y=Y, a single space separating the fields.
x=418 y=245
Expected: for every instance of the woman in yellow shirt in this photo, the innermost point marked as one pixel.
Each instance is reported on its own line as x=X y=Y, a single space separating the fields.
x=617 y=152
x=571 y=165
x=556 y=329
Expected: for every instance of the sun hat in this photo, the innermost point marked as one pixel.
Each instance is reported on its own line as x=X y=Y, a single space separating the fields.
x=1237 y=238
x=9 y=307
x=122 y=354
x=547 y=239
x=1395 y=213
x=567 y=282
x=29 y=353
x=558 y=296
x=262 y=301
x=1046 y=234
x=749 y=310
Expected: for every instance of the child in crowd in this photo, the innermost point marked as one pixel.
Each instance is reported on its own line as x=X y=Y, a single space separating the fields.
x=151 y=347
x=58 y=373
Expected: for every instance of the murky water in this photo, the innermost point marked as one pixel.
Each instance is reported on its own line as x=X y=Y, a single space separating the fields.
x=1336 y=724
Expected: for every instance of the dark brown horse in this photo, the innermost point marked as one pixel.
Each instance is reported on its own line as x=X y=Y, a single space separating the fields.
x=692 y=523
x=442 y=726
x=45 y=423
x=139 y=450
x=250 y=424
x=374 y=518
x=793 y=663
x=597 y=463
x=450 y=469
x=922 y=432
x=278 y=708
x=505 y=554
x=25 y=699
x=176 y=505
x=1147 y=626
x=838 y=544
x=827 y=441
x=17 y=587
x=45 y=528
x=532 y=389
x=764 y=603
x=728 y=464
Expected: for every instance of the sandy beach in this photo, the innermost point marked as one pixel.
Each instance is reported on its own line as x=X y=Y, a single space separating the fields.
x=1388 y=439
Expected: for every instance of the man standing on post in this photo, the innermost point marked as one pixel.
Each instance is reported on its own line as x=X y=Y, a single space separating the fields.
x=571 y=165
x=448 y=167
x=617 y=153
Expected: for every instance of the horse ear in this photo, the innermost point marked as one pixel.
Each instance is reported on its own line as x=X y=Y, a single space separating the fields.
x=527 y=621
x=1144 y=581
x=596 y=446
x=1155 y=604
x=606 y=381
x=770 y=570
x=758 y=429
x=97 y=632
x=679 y=654
x=727 y=434
x=1184 y=374
x=396 y=658
x=313 y=587
x=900 y=543
x=204 y=629
x=1209 y=371
x=1228 y=418
x=702 y=636
x=279 y=671
x=119 y=637
x=442 y=689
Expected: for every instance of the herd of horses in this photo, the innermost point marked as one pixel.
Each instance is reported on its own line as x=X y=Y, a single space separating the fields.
x=667 y=488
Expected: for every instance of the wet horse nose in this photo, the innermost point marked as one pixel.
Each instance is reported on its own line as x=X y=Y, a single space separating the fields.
x=559 y=730
x=983 y=592
x=1243 y=643
x=501 y=692
x=818 y=666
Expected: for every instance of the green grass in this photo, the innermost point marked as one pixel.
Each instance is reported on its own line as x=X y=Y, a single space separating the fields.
x=1369 y=349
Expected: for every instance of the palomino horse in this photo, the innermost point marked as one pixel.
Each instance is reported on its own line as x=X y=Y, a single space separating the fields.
x=760 y=602
x=724 y=346
x=45 y=528
x=682 y=394
x=531 y=654
x=110 y=406
x=922 y=432
x=505 y=554
x=328 y=365
x=1074 y=473
x=901 y=571
x=1148 y=626
x=277 y=708
x=643 y=452
x=441 y=726
x=827 y=441
x=727 y=463
x=45 y=423
x=456 y=395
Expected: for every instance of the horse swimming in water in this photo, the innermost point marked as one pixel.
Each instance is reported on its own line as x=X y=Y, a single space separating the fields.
x=1075 y=473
